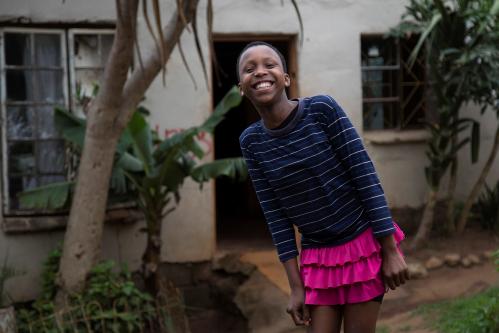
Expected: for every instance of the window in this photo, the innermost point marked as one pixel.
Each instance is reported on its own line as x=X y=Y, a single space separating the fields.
x=392 y=93
x=35 y=79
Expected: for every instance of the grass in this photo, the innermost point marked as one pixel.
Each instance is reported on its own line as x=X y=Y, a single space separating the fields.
x=476 y=314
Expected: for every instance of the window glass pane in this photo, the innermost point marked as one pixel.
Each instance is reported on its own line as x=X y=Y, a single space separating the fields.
x=17 y=49
x=46 y=180
x=48 y=49
x=378 y=51
x=86 y=51
x=19 y=85
x=106 y=43
x=46 y=125
x=381 y=115
x=49 y=86
x=20 y=122
x=21 y=157
x=87 y=79
x=17 y=185
x=50 y=156
x=379 y=83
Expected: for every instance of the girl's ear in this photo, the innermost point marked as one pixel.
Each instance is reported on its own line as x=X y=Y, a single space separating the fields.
x=287 y=80
x=240 y=89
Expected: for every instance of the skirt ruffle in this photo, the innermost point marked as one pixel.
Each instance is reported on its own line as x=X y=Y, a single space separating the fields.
x=346 y=273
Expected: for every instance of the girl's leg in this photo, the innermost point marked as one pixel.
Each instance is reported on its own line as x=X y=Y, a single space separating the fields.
x=325 y=319
x=361 y=317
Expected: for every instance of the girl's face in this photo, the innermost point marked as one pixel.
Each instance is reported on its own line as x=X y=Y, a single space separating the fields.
x=262 y=78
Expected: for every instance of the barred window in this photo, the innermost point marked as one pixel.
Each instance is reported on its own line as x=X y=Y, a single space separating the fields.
x=392 y=93
x=34 y=80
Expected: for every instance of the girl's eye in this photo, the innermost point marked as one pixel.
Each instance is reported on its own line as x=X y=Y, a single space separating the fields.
x=270 y=65
x=249 y=69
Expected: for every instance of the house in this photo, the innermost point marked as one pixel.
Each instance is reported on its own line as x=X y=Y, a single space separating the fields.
x=53 y=50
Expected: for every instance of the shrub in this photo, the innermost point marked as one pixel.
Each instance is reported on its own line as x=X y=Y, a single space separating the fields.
x=110 y=303
x=486 y=209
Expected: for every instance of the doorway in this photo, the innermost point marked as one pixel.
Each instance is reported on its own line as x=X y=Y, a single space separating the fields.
x=240 y=222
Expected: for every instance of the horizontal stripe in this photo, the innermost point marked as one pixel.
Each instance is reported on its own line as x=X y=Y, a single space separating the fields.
x=330 y=194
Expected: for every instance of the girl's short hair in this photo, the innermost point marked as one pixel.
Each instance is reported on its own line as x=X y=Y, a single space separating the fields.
x=258 y=43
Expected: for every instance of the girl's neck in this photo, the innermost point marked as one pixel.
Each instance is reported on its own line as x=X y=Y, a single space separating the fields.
x=273 y=115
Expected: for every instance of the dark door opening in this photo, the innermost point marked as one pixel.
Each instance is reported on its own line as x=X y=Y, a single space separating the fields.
x=240 y=221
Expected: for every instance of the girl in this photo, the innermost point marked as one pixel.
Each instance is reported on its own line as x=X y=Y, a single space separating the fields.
x=309 y=169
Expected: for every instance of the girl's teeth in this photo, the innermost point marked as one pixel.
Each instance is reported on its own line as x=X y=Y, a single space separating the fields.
x=263 y=85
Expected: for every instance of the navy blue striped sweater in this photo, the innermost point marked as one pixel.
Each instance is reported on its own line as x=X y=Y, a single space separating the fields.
x=315 y=173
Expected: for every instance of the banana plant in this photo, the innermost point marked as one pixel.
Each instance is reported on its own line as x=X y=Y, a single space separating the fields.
x=149 y=170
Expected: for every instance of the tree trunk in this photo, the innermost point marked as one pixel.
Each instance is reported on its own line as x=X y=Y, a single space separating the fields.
x=114 y=105
x=450 y=226
x=426 y=222
x=82 y=241
x=463 y=217
x=152 y=256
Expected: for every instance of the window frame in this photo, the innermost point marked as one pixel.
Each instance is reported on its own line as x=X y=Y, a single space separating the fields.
x=72 y=66
x=400 y=124
x=6 y=210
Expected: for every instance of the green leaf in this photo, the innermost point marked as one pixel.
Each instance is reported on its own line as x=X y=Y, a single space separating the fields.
x=71 y=127
x=230 y=100
x=52 y=196
x=173 y=174
x=141 y=136
x=130 y=163
x=414 y=54
x=234 y=168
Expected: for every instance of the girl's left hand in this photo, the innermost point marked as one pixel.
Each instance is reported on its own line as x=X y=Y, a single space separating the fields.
x=394 y=269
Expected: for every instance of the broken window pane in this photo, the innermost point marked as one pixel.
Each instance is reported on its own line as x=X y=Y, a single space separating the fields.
x=19 y=85
x=46 y=124
x=49 y=86
x=48 y=50
x=17 y=49
x=21 y=157
x=86 y=80
x=50 y=156
x=20 y=122
x=17 y=185
x=86 y=51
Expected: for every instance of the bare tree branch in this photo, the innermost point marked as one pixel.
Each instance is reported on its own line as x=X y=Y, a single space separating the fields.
x=140 y=80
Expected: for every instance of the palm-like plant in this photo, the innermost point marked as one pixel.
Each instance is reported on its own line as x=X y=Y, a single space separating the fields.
x=460 y=39
x=149 y=170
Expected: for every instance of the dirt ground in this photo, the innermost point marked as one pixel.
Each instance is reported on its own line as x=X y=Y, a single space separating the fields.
x=445 y=283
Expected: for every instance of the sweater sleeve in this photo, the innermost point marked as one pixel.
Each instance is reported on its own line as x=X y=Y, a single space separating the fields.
x=350 y=150
x=281 y=229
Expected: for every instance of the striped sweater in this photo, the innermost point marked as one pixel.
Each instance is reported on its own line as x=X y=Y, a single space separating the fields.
x=315 y=173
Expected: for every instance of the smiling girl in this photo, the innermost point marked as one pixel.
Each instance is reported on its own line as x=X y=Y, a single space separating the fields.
x=310 y=170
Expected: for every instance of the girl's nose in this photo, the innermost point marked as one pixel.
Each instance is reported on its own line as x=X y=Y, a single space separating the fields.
x=260 y=70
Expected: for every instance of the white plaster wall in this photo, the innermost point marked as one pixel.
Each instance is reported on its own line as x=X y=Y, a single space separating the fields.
x=328 y=62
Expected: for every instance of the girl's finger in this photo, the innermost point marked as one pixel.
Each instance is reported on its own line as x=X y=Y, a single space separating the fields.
x=297 y=317
x=306 y=315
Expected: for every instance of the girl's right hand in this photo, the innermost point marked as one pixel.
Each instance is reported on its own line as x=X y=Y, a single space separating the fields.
x=297 y=308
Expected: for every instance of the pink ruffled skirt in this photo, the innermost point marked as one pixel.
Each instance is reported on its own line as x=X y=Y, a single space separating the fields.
x=346 y=273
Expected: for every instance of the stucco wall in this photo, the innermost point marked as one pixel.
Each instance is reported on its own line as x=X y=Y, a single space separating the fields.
x=328 y=62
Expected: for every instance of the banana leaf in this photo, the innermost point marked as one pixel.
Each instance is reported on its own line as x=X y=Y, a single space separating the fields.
x=52 y=196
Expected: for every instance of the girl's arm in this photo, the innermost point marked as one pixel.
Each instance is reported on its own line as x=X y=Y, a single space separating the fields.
x=394 y=269
x=296 y=308
x=353 y=155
